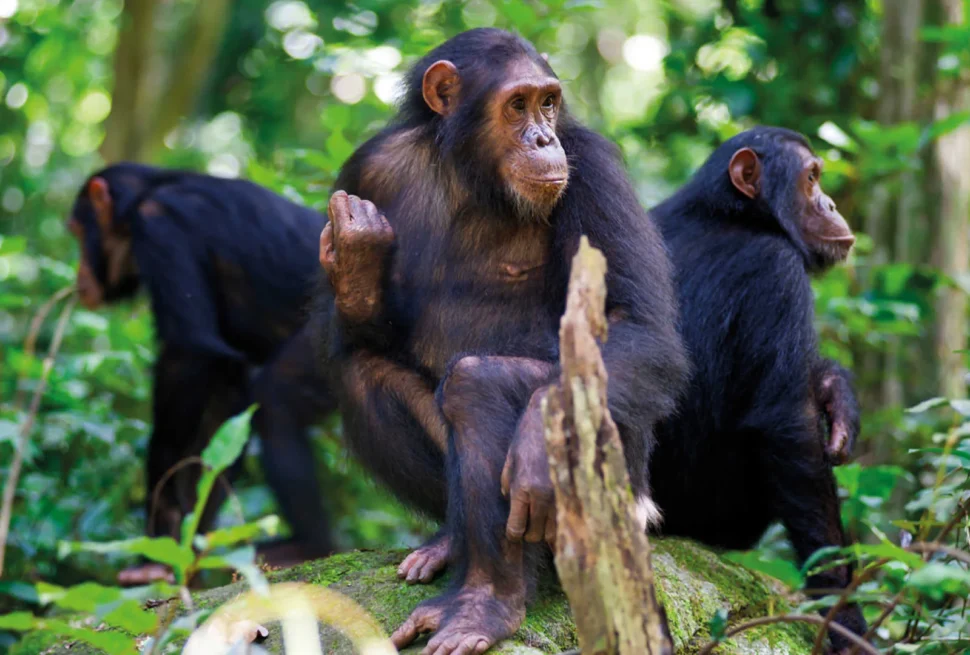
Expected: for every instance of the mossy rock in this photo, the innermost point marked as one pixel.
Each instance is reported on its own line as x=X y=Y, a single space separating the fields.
x=694 y=583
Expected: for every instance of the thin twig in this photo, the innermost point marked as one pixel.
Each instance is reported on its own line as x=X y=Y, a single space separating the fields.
x=13 y=476
x=870 y=633
x=791 y=618
x=960 y=513
x=854 y=584
x=30 y=343
x=175 y=468
x=929 y=548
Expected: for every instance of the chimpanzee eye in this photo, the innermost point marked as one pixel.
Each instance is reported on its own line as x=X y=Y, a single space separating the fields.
x=518 y=104
x=549 y=102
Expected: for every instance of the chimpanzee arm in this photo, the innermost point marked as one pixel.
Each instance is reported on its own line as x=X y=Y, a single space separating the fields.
x=172 y=264
x=835 y=396
x=777 y=351
x=644 y=355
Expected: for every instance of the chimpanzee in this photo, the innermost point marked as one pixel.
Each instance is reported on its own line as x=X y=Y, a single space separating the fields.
x=448 y=300
x=747 y=446
x=229 y=267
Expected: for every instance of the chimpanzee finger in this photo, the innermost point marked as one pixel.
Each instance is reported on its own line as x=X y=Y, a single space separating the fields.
x=839 y=442
x=357 y=212
x=339 y=211
x=551 y=529
x=506 y=477
x=538 y=515
x=518 y=518
x=326 y=247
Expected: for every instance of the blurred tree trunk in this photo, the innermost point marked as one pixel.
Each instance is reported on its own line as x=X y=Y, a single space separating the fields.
x=602 y=552
x=189 y=70
x=143 y=111
x=951 y=250
x=894 y=202
x=125 y=127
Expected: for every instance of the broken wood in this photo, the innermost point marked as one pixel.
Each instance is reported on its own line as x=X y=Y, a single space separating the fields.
x=602 y=551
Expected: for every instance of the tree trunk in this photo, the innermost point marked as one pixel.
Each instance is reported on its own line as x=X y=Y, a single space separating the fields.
x=143 y=111
x=188 y=72
x=602 y=553
x=127 y=123
x=889 y=218
x=951 y=252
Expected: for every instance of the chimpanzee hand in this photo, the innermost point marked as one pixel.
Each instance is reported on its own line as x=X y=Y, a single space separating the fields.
x=526 y=482
x=353 y=249
x=836 y=398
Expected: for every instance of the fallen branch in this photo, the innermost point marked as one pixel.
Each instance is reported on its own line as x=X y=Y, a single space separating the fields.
x=13 y=475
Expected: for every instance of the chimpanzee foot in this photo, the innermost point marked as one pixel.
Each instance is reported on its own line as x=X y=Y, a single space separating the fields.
x=476 y=619
x=427 y=561
x=135 y=576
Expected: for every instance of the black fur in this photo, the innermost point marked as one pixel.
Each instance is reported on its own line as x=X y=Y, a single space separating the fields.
x=451 y=320
x=229 y=267
x=744 y=449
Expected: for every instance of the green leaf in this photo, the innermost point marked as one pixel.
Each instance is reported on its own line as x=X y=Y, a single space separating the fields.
x=18 y=621
x=266 y=526
x=228 y=442
x=946 y=125
x=718 y=624
x=242 y=560
x=20 y=590
x=962 y=406
x=776 y=567
x=130 y=616
x=888 y=551
x=938 y=580
x=12 y=245
x=927 y=405
x=161 y=549
x=87 y=596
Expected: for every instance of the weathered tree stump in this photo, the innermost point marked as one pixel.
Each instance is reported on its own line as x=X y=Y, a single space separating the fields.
x=602 y=553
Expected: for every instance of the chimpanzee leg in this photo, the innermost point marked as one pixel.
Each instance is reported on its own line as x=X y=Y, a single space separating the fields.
x=804 y=489
x=293 y=394
x=483 y=400
x=393 y=425
x=193 y=395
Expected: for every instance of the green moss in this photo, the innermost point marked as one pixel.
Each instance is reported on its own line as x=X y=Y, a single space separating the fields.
x=693 y=584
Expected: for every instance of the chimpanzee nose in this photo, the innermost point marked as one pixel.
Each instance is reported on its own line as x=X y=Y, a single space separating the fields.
x=544 y=138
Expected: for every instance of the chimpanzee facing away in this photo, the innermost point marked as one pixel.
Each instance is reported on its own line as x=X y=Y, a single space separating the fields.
x=747 y=446
x=448 y=300
x=229 y=267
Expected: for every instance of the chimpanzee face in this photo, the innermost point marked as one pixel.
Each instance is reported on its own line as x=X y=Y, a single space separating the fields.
x=517 y=133
x=789 y=186
x=523 y=114
x=822 y=226
x=107 y=270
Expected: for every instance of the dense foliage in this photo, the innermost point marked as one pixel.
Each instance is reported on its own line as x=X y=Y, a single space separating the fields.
x=290 y=90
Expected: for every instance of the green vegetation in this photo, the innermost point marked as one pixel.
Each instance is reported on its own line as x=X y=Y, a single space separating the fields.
x=282 y=91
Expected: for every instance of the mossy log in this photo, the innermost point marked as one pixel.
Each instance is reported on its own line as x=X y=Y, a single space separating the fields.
x=693 y=584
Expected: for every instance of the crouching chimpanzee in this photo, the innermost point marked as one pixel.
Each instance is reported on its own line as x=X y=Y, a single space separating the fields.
x=448 y=304
x=229 y=267
x=747 y=446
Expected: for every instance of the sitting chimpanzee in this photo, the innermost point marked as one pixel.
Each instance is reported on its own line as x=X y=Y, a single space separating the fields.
x=747 y=446
x=229 y=267
x=448 y=304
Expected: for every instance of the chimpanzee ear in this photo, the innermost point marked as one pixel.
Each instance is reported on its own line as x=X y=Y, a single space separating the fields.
x=745 y=171
x=101 y=199
x=440 y=87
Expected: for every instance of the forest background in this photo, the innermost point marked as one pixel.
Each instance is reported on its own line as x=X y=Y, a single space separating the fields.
x=281 y=93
